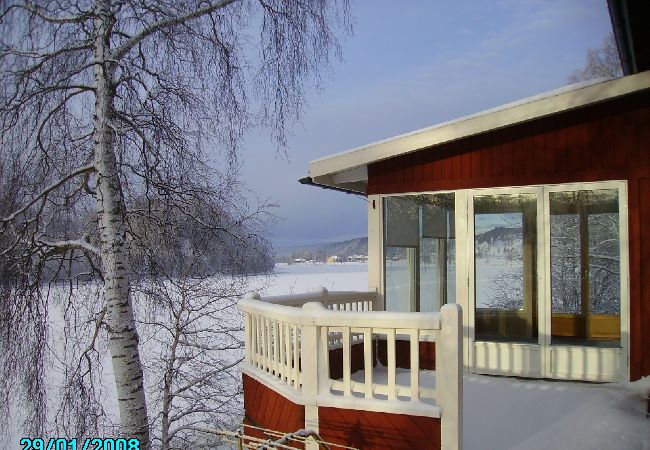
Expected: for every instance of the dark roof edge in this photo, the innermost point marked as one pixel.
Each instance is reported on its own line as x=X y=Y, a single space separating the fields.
x=618 y=13
x=310 y=182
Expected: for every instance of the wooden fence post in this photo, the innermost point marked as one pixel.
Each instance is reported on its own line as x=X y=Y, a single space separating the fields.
x=249 y=351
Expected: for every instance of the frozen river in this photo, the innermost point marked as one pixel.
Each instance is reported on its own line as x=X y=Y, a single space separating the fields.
x=308 y=277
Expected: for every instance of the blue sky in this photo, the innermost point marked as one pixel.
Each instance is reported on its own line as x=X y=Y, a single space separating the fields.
x=410 y=65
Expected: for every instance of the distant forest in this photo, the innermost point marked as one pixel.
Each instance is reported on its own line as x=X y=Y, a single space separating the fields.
x=170 y=244
x=321 y=251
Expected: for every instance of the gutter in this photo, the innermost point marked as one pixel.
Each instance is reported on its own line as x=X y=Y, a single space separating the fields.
x=309 y=181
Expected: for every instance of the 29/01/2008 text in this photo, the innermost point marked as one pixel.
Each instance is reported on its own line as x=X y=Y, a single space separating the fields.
x=73 y=444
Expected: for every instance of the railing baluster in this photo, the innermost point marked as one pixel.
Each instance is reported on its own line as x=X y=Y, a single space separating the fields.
x=255 y=340
x=324 y=359
x=346 y=361
x=390 y=344
x=267 y=332
x=256 y=321
x=415 y=365
x=287 y=352
x=276 y=345
x=260 y=342
x=263 y=343
x=296 y=360
x=283 y=353
x=367 y=360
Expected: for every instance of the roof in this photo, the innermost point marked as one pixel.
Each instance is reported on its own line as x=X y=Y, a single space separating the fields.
x=349 y=170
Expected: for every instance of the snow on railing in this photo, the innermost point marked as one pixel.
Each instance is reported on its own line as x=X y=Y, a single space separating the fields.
x=289 y=339
x=334 y=300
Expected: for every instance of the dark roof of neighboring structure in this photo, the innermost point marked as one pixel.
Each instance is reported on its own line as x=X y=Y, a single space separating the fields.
x=631 y=24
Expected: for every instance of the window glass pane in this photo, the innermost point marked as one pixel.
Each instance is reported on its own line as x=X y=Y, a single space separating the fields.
x=400 y=279
x=505 y=243
x=585 y=268
x=419 y=266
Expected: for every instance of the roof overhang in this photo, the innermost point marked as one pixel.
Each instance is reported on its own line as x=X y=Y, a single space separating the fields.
x=349 y=170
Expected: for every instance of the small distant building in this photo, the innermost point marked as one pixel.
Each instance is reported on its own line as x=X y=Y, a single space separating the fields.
x=333 y=259
x=352 y=258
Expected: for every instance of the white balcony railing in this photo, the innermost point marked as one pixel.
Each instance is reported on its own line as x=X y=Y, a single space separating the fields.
x=290 y=339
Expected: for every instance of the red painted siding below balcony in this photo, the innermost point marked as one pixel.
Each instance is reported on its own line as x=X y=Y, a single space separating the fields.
x=263 y=407
x=375 y=430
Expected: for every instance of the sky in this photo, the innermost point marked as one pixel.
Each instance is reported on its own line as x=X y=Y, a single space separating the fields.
x=410 y=65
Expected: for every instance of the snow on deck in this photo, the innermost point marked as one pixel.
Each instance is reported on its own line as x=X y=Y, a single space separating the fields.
x=508 y=413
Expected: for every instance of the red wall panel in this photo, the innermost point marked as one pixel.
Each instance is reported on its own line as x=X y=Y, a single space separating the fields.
x=374 y=430
x=603 y=142
x=263 y=407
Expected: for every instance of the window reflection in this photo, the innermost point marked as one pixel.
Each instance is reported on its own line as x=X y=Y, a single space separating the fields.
x=505 y=243
x=419 y=252
x=585 y=268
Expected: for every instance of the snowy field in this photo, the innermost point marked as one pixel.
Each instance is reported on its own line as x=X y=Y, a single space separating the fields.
x=501 y=413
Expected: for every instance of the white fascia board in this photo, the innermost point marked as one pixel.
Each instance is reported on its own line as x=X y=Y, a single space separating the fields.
x=549 y=103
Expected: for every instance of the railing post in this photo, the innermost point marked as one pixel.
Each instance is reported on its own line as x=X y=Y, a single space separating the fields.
x=449 y=377
x=313 y=363
x=249 y=351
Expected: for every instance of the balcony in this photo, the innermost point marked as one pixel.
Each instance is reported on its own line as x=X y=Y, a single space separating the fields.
x=328 y=362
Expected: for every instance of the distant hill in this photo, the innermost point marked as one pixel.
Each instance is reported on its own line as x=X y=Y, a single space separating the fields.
x=321 y=251
x=499 y=233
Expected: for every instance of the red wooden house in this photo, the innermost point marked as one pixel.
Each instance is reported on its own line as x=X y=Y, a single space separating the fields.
x=533 y=217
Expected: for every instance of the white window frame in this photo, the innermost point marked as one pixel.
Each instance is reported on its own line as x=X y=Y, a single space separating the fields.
x=464 y=227
x=624 y=349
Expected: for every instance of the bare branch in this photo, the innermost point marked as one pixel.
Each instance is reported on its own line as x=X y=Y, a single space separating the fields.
x=62 y=246
x=45 y=192
x=161 y=25
x=42 y=14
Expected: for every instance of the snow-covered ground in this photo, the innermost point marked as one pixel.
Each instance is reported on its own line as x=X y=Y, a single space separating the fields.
x=506 y=413
x=501 y=413
x=509 y=413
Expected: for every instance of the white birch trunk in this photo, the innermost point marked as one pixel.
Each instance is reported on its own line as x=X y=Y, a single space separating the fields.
x=122 y=333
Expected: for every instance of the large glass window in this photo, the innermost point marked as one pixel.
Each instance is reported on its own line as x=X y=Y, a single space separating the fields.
x=585 y=268
x=505 y=243
x=419 y=252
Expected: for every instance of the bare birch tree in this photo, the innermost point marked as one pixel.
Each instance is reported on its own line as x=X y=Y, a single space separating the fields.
x=109 y=110
x=601 y=62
